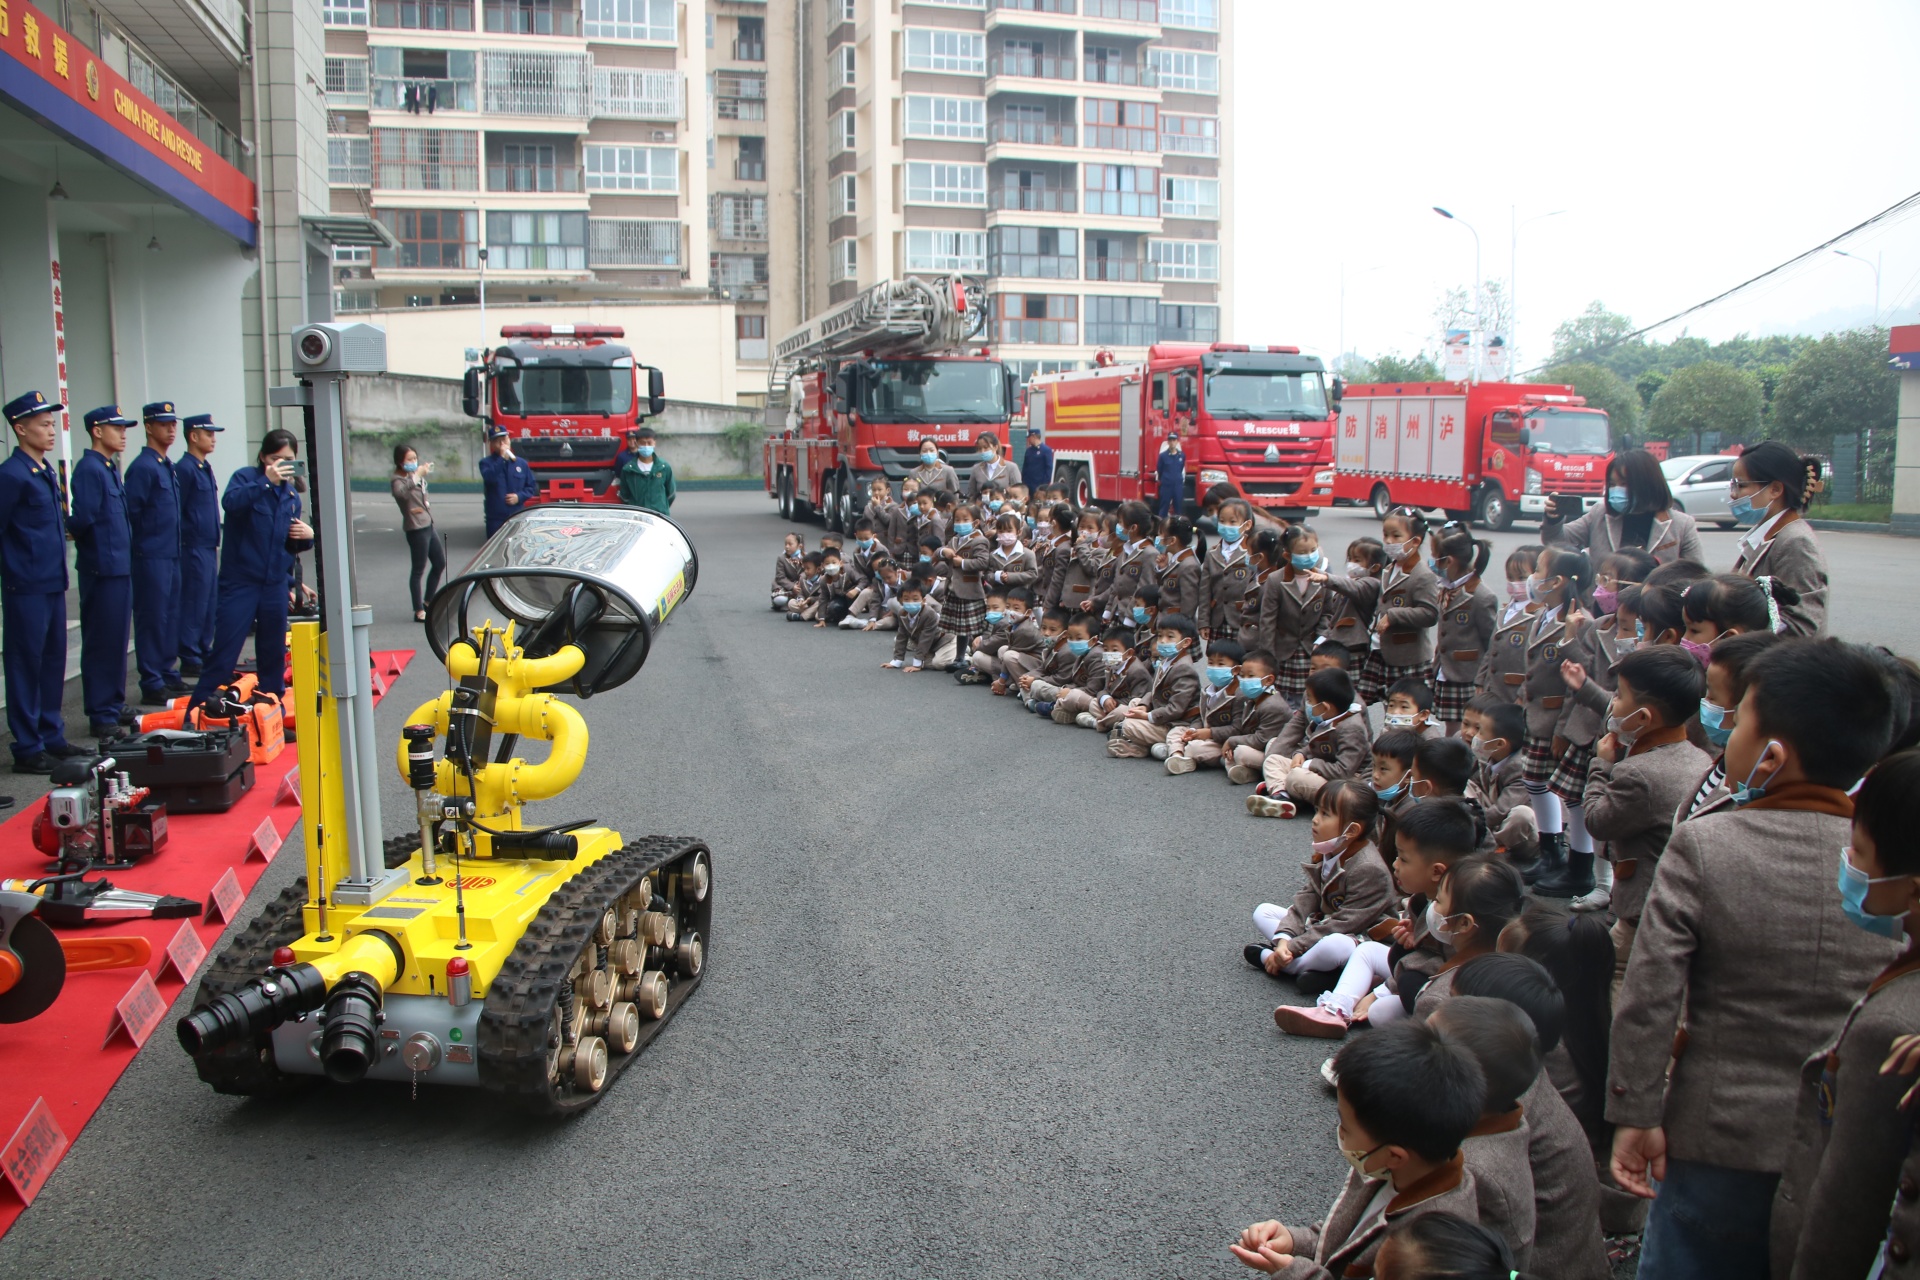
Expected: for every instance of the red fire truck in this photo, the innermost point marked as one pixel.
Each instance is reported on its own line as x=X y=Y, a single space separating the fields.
x=568 y=396
x=1486 y=449
x=1252 y=417
x=855 y=390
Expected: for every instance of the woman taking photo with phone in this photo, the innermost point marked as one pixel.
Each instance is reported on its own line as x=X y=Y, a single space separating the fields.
x=263 y=534
x=409 y=485
x=1637 y=511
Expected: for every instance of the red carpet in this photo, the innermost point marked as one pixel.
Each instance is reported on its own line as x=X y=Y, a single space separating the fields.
x=58 y=1055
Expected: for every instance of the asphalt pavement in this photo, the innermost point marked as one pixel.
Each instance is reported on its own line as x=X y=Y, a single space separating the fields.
x=975 y=1007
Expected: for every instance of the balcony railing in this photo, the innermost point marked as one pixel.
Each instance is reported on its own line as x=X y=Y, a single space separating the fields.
x=1124 y=10
x=1032 y=133
x=390 y=93
x=750 y=170
x=1120 y=270
x=532 y=177
x=1038 y=6
x=524 y=20
x=1113 y=137
x=751 y=292
x=740 y=109
x=1189 y=144
x=633 y=242
x=1032 y=68
x=1107 y=71
x=737 y=219
x=1051 y=333
x=1034 y=266
x=1033 y=199
x=529 y=83
x=424 y=15
x=638 y=95
x=409 y=175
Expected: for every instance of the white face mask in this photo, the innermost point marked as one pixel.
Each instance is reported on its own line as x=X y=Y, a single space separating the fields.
x=1615 y=726
x=1355 y=569
x=1437 y=924
x=1394 y=550
x=1358 y=1159
x=1009 y=539
x=1116 y=658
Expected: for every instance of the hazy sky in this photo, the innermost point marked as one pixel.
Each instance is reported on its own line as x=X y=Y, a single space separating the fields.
x=1691 y=146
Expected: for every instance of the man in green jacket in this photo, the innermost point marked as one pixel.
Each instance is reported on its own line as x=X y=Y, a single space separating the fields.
x=642 y=479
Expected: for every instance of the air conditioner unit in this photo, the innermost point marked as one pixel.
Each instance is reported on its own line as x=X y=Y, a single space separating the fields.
x=663 y=135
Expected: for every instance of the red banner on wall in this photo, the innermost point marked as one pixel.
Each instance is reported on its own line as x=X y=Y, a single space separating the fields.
x=32 y=39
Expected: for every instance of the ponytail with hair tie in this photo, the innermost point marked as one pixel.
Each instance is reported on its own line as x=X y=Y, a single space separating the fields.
x=1765 y=583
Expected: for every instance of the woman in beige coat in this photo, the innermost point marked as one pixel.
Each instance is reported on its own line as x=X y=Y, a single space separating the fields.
x=409 y=486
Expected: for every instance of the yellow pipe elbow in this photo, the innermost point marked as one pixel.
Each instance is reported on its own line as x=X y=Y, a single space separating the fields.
x=530 y=673
x=545 y=717
x=362 y=953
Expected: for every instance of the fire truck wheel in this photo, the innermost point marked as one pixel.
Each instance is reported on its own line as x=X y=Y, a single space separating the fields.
x=783 y=488
x=830 y=502
x=1382 y=503
x=844 y=498
x=1493 y=510
x=1080 y=485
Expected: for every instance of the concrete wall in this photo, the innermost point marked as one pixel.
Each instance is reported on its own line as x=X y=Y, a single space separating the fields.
x=691 y=342
x=425 y=412
x=1906 y=462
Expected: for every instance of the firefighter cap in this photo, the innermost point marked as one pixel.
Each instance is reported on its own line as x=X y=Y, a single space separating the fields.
x=27 y=405
x=159 y=411
x=200 y=422
x=107 y=415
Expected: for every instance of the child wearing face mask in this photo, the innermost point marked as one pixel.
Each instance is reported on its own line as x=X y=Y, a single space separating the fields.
x=1730 y=604
x=1560 y=729
x=1229 y=572
x=1263 y=713
x=1410 y=704
x=1173 y=697
x=924 y=520
x=786 y=571
x=1295 y=604
x=1468 y=612
x=1347 y=890
x=963 y=562
x=1349 y=617
x=1076 y=663
x=873 y=609
x=1142 y=613
x=1123 y=678
x=1499 y=784
x=1133 y=562
x=1183 y=583
x=809 y=594
x=1408 y=1097
x=1053 y=551
x=1264 y=558
x=917 y=639
x=1479 y=897
x=1407 y=608
x=980 y=665
x=1049 y=663
x=1080 y=576
x=1643 y=771
x=1324 y=741
x=1018 y=644
x=1011 y=563
x=1719 y=708
x=1741 y=919
x=1850 y=1134
x=1197 y=742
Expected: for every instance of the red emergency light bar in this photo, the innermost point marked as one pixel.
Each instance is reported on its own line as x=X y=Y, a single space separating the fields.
x=1241 y=346
x=562 y=331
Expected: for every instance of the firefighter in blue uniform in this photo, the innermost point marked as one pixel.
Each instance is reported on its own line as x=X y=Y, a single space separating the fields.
x=263 y=534
x=199 y=543
x=104 y=542
x=507 y=478
x=33 y=587
x=153 y=511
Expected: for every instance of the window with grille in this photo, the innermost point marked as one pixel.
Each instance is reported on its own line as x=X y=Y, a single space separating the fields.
x=1122 y=190
x=1184 y=259
x=964 y=251
x=846 y=67
x=959 y=118
x=963 y=184
x=431 y=238
x=633 y=242
x=738 y=270
x=426 y=159
x=350 y=160
x=537 y=83
x=846 y=260
x=613 y=168
x=1191 y=198
x=740 y=217
x=1185 y=70
x=846 y=131
x=1036 y=253
x=1181 y=322
x=846 y=195
x=623 y=93
x=1045 y=318
x=1196 y=15
x=346 y=82
x=1122 y=322
x=344 y=13
x=959 y=52
x=536 y=241
x=649 y=20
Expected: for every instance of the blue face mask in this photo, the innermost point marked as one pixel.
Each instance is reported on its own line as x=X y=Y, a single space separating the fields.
x=866 y=544
x=1166 y=650
x=1743 y=510
x=1745 y=792
x=926 y=559
x=1079 y=648
x=1853 y=884
x=1229 y=533
x=1393 y=792
x=963 y=526
x=1309 y=561
x=911 y=606
x=644 y=450
x=1252 y=686
x=995 y=506
x=1617 y=499
x=1219 y=677
x=994 y=616
x=410 y=467
x=1712 y=718
x=1159 y=544
x=1639 y=631
x=1140 y=616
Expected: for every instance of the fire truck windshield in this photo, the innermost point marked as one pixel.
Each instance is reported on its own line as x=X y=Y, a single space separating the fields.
x=1259 y=393
x=933 y=391
x=1564 y=432
x=574 y=390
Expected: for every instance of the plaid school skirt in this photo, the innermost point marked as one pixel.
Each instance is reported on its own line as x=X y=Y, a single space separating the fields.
x=1450 y=699
x=1291 y=678
x=1565 y=774
x=1377 y=675
x=963 y=618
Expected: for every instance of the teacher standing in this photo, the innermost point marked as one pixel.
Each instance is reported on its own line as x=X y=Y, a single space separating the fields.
x=1638 y=512
x=1771 y=487
x=409 y=486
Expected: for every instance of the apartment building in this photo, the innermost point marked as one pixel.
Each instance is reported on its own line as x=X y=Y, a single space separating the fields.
x=553 y=160
x=1075 y=152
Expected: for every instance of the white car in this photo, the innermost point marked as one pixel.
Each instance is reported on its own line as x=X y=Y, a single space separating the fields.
x=1699 y=483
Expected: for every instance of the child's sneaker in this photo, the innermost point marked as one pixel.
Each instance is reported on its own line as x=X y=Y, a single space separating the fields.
x=1328 y=1074
x=1041 y=709
x=794 y=617
x=1267 y=807
x=1241 y=775
x=1158 y=751
x=1598 y=900
x=1256 y=954
x=1086 y=720
x=1180 y=764
x=1315 y=1020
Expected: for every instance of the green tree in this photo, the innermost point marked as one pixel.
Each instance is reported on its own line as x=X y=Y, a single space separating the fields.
x=1394 y=367
x=1841 y=385
x=1706 y=397
x=1581 y=337
x=1648 y=385
x=1603 y=389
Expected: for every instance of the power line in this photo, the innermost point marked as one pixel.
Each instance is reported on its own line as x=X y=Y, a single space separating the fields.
x=1898 y=207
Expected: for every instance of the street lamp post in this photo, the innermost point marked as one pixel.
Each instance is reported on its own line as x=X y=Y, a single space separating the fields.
x=1476 y=283
x=1873 y=266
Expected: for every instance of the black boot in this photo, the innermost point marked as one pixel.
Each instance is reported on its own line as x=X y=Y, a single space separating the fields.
x=1552 y=859
x=1572 y=880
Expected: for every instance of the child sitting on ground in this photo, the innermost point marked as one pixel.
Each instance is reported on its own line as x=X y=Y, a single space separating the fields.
x=1408 y=1097
x=1173 y=697
x=1190 y=745
x=1324 y=741
x=1076 y=664
x=1497 y=1149
x=918 y=641
x=1348 y=890
x=1263 y=713
x=1050 y=662
x=1479 y=897
x=809 y=594
x=981 y=665
x=1124 y=678
x=786 y=571
x=871 y=609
